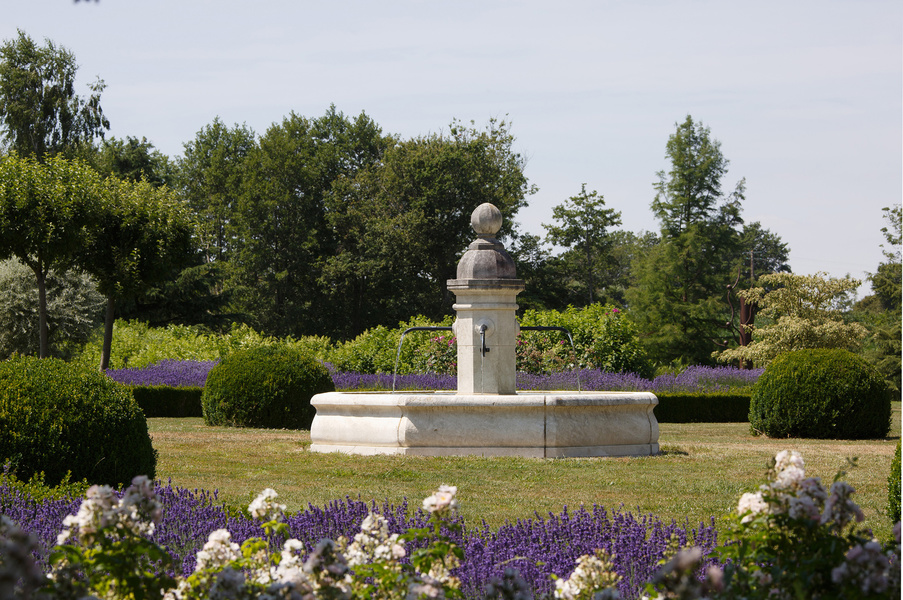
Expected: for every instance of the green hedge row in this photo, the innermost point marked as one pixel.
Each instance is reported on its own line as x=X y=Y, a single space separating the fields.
x=698 y=407
x=164 y=401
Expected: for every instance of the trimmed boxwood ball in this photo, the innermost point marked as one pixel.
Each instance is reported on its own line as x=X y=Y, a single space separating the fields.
x=821 y=394
x=57 y=417
x=266 y=386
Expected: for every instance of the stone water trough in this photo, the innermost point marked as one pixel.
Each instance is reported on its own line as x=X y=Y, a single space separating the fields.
x=486 y=416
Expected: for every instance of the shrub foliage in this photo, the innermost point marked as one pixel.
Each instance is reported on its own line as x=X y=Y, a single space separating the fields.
x=166 y=401
x=267 y=386
x=822 y=394
x=58 y=418
x=701 y=407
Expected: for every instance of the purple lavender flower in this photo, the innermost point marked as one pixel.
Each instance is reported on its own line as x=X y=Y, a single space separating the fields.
x=350 y=380
x=170 y=372
x=537 y=547
x=707 y=379
x=693 y=379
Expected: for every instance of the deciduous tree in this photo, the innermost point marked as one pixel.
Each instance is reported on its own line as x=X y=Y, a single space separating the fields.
x=881 y=311
x=582 y=225
x=134 y=159
x=44 y=212
x=40 y=112
x=211 y=178
x=140 y=233
x=74 y=309
x=797 y=312
x=285 y=223
x=887 y=281
x=406 y=219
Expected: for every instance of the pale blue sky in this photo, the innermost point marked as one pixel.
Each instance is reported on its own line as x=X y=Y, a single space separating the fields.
x=805 y=96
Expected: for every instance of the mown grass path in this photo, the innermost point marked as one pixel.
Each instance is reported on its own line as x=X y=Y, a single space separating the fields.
x=700 y=474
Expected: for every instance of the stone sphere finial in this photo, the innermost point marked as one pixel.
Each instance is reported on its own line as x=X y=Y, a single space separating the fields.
x=486 y=219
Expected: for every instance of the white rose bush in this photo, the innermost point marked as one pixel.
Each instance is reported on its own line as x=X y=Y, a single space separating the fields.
x=790 y=539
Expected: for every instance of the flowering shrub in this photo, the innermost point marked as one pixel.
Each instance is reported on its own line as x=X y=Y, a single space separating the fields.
x=791 y=539
x=376 y=350
x=169 y=372
x=105 y=551
x=539 y=355
x=439 y=355
x=604 y=336
x=538 y=548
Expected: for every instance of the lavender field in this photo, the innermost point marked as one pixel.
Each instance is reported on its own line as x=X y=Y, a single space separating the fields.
x=169 y=372
x=182 y=373
x=538 y=547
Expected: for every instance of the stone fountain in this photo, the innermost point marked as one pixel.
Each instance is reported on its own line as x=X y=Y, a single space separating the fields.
x=486 y=416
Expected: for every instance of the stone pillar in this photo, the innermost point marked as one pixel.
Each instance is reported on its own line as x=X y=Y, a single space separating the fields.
x=486 y=326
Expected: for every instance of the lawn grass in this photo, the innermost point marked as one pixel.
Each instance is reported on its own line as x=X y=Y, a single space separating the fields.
x=703 y=469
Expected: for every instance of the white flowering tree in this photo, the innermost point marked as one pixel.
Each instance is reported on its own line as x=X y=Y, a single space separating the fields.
x=798 y=312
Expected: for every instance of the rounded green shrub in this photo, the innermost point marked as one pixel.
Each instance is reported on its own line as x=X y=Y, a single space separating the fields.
x=57 y=418
x=266 y=386
x=821 y=394
x=893 y=488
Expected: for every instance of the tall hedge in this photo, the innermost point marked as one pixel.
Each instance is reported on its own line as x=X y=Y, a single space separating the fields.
x=58 y=417
x=267 y=386
x=822 y=394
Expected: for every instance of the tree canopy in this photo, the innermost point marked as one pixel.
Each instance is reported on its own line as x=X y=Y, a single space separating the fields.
x=801 y=311
x=679 y=295
x=582 y=224
x=403 y=222
x=139 y=235
x=45 y=210
x=40 y=112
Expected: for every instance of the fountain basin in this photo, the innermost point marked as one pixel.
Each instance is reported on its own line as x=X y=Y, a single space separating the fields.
x=554 y=424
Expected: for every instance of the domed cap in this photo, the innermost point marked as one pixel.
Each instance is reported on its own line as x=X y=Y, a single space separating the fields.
x=485 y=258
x=486 y=219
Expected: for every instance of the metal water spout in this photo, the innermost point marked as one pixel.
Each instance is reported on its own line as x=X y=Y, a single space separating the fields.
x=486 y=326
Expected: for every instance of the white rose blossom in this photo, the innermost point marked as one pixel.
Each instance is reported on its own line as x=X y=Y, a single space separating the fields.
x=265 y=507
x=594 y=572
x=788 y=458
x=804 y=498
x=374 y=544
x=137 y=511
x=753 y=504
x=442 y=501
x=218 y=552
x=789 y=478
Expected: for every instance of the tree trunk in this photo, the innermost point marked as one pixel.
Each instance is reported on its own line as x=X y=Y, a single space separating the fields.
x=109 y=318
x=747 y=319
x=42 y=313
